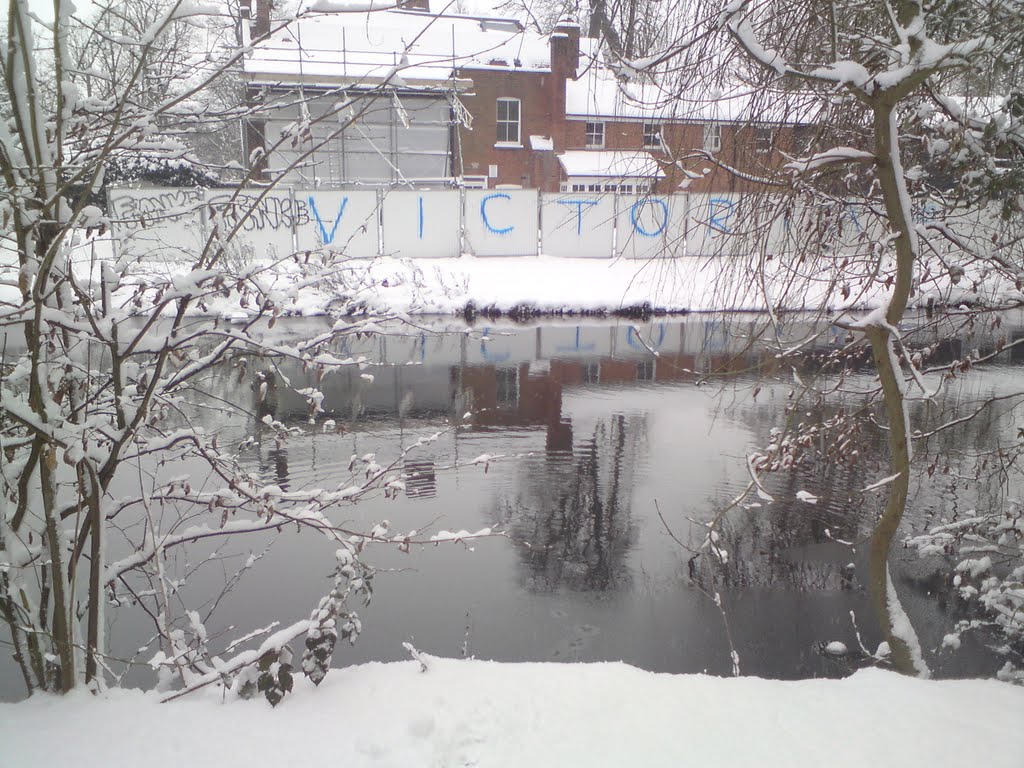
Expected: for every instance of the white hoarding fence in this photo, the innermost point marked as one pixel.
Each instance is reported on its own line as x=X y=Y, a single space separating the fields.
x=501 y=222
x=173 y=224
x=346 y=222
x=163 y=224
x=423 y=224
x=577 y=224
x=649 y=227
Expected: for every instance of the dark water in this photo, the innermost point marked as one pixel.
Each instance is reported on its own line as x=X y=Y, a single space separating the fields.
x=613 y=458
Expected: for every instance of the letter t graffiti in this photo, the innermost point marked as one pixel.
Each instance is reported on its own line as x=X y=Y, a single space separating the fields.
x=579 y=211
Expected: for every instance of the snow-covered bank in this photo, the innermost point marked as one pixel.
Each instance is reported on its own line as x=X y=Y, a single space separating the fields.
x=548 y=284
x=475 y=713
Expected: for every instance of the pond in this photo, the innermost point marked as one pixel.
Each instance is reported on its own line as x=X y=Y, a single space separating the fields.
x=610 y=445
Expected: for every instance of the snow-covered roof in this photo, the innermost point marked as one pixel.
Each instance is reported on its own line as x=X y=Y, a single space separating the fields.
x=600 y=93
x=418 y=47
x=610 y=164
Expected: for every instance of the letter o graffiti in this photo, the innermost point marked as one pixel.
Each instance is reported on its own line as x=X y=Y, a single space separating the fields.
x=635 y=218
x=487 y=222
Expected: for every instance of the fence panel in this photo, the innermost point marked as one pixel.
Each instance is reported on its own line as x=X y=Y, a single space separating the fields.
x=422 y=224
x=579 y=224
x=501 y=222
x=650 y=226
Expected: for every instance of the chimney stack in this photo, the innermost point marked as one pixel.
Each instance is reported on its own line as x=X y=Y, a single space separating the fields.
x=415 y=5
x=260 y=25
x=565 y=48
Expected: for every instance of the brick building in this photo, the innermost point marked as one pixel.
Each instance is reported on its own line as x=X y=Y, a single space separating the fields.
x=448 y=100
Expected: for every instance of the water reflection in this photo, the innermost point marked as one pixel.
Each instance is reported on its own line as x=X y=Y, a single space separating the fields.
x=612 y=421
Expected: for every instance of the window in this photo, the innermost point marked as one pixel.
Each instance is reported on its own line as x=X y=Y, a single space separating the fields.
x=595 y=135
x=712 y=137
x=508 y=121
x=507 y=380
x=579 y=187
x=645 y=370
x=652 y=136
x=592 y=373
x=763 y=140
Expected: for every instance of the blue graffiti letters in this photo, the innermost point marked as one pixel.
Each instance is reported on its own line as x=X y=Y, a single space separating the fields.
x=579 y=210
x=327 y=237
x=487 y=221
x=719 y=212
x=637 y=209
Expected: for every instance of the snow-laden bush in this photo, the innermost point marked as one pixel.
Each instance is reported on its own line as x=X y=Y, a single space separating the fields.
x=985 y=553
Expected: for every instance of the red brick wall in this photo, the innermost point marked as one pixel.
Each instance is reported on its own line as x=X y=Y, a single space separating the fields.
x=542 y=112
x=682 y=139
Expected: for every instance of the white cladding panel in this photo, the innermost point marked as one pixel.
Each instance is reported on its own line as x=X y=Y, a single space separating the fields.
x=501 y=222
x=160 y=224
x=340 y=221
x=421 y=224
x=577 y=224
x=582 y=341
x=262 y=223
x=650 y=226
x=711 y=223
x=493 y=346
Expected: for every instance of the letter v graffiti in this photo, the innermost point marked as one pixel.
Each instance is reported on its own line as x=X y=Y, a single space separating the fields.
x=327 y=237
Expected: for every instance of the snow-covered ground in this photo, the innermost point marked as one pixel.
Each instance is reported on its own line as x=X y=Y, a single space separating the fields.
x=550 y=284
x=476 y=713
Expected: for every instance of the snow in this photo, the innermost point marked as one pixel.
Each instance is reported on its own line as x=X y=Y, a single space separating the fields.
x=367 y=47
x=541 y=715
x=903 y=629
x=836 y=648
x=542 y=143
x=807 y=497
x=610 y=164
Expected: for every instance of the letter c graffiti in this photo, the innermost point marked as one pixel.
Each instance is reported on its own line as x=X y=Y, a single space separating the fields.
x=633 y=338
x=487 y=221
x=634 y=217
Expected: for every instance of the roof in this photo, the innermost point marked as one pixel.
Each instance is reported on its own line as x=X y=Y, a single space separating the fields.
x=610 y=164
x=600 y=93
x=418 y=47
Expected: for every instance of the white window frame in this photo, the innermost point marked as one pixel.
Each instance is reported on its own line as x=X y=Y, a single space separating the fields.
x=652 y=135
x=594 y=133
x=764 y=138
x=712 y=137
x=507 y=123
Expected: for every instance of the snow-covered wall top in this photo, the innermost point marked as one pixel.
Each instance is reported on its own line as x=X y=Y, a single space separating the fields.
x=414 y=46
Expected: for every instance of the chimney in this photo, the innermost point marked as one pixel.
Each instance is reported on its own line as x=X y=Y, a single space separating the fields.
x=415 y=5
x=261 y=25
x=565 y=48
